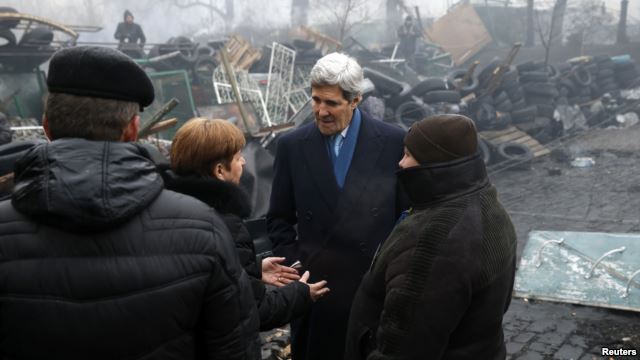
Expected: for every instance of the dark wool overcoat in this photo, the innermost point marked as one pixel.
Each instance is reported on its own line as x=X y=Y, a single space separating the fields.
x=334 y=232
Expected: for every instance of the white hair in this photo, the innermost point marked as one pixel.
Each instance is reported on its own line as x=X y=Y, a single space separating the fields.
x=338 y=69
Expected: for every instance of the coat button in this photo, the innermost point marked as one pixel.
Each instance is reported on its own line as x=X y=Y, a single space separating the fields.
x=374 y=211
x=308 y=215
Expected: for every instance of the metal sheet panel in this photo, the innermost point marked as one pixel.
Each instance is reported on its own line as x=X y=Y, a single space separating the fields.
x=563 y=270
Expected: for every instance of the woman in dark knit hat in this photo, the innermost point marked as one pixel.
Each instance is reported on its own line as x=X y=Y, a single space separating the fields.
x=440 y=284
x=206 y=163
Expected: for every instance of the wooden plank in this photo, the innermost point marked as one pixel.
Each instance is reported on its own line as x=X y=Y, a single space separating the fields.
x=488 y=135
x=542 y=152
x=506 y=138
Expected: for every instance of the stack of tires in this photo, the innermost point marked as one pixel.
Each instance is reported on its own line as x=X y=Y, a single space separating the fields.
x=306 y=54
x=605 y=77
x=626 y=72
x=196 y=57
x=508 y=99
x=541 y=95
x=574 y=82
x=540 y=91
x=428 y=97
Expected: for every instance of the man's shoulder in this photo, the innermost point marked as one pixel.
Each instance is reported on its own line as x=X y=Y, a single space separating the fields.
x=173 y=205
x=388 y=130
x=298 y=133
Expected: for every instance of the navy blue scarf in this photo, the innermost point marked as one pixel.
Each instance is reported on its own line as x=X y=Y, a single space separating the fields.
x=342 y=162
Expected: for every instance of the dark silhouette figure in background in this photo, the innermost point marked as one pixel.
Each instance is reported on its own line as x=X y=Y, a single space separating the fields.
x=130 y=35
x=408 y=33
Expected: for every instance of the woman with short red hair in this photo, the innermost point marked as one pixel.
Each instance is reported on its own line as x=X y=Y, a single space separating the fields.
x=206 y=163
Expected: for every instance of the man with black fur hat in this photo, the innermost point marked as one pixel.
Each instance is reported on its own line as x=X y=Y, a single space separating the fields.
x=99 y=261
x=129 y=33
x=441 y=282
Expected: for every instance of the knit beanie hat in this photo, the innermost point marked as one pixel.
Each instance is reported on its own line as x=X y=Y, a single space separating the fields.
x=442 y=138
x=127 y=13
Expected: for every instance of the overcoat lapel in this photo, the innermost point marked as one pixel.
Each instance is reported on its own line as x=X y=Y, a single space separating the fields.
x=319 y=164
x=368 y=150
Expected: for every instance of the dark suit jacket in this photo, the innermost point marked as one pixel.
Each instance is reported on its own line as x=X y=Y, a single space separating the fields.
x=338 y=231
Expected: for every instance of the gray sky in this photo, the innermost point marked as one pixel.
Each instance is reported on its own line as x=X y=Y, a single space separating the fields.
x=161 y=21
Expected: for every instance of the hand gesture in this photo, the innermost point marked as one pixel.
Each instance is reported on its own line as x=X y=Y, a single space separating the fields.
x=276 y=274
x=316 y=290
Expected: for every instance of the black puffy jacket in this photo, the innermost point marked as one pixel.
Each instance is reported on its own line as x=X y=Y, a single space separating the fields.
x=98 y=261
x=277 y=307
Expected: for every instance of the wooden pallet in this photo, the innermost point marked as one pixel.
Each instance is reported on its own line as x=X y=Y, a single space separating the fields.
x=323 y=42
x=512 y=134
x=241 y=54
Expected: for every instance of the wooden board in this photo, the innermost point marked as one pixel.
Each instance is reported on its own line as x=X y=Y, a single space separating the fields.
x=460 y=32
x=512 y=134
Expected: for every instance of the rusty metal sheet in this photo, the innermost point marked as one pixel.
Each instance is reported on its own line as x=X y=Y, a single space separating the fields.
x=460 y=32
x=588 y=268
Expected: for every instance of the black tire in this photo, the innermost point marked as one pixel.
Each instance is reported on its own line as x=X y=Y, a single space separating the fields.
x=384 y=84
x=606 y=73
x=486 y=72
x=582 y=77
x=500 y=97
x=401 y=98
x=534 y=77
x=543 y=89
x=629 y=65
x=467 y=88
x=485 y=150
x=607 y=82
x=485 y=115
x=568 y=84
x=546 y=111
x=408 y=113
x=442 y=96
x=515 y=94
x=431 y=84
x=564 y=68
x=510 y=79
x=526 y=66
x=302 y=45
x=9 y=23
x=539 y=100
x=517 y=153
x=203 y=68
x=524 y=115
x=505 y=106
x=8 y=38
x=501 y=121
x=552 y=71
x=38 y=37
x=518 y=105
x=601 y=58
x=205 y=51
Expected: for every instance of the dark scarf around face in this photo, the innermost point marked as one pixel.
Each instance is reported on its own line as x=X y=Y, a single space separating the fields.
x=428 y=184
x=226 y=197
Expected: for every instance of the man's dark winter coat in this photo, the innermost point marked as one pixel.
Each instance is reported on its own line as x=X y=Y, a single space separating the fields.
x=443 y=279
x=277 y=307
x=129 y=32
x=98 y=261
x=338 y=230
